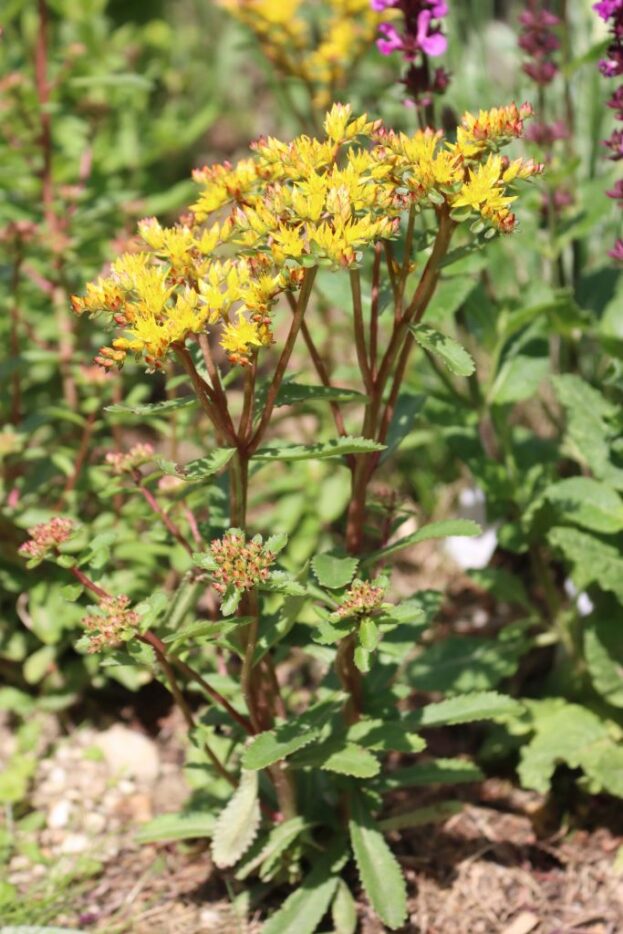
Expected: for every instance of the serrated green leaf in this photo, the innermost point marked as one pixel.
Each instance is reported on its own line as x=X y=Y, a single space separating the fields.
x=151 y=408
x=385 y=735
x=454 y=357
x=486 y=705
x=421 y=816
x=276 y=543
x=344 y=910
x=291 y=393
x=206 y=466
x=436 y=772
x=303 y=910
x=339 y=756
x=189 y=826
x=442 y=529
x=324 y=449
x=237 y=825
x=593 y=561
x=589 y=503
x=334 y=572
x=379 y=870
x=283 y=740
x=460 y=664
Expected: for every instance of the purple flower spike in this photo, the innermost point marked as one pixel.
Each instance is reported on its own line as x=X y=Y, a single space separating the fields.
x=417 y=38
x=612 y=12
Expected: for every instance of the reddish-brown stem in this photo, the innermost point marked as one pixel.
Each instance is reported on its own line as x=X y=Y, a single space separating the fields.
x=206 y=398
x=286 y=353
x=164 y=517
x=43 y=95
x=89 y=584
x=16 y=391
x=245 y=428
x=321 y=370
x=391 y=267
x=220 y=398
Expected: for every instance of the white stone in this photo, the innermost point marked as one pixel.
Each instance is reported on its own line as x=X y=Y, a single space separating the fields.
x=58 y=815
x=74 y=843
x=129 y=753
x=94 y=823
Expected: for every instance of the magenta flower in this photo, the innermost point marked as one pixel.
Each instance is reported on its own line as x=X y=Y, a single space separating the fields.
x=434 y=43
x=617 y=252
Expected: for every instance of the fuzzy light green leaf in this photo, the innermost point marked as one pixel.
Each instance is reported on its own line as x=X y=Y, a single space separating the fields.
x=593 y=561
x=574 y=735
x=588 y=434
x=379 y=871
x=236 y=826
x=603 y=650
x=589 y=503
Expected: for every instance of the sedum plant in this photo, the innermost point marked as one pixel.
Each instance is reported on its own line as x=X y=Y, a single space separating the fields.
x=302 y=661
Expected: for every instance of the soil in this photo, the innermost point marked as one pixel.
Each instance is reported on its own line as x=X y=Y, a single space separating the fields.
x=506 y=864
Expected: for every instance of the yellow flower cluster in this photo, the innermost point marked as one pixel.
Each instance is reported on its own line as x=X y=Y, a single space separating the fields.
x=319 y=43
x=257 y=225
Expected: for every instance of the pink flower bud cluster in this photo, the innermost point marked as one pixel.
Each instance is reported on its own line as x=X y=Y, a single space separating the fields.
x=362 y=598
x=611 y=11
x=138 y=455
x=46 y=537
x=240 y=563
x=110 y=627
